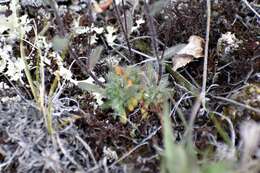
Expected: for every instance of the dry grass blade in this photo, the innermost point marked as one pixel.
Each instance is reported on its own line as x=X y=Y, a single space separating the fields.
x=94 y=57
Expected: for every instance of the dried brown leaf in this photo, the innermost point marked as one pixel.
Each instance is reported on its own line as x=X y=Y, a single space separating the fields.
x=194 y=49
x=101 y=7
x=181 y=60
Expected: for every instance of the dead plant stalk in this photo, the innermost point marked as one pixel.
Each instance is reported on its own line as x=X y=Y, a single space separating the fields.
x=201 y=98
x=123 y=28
x=154 y=38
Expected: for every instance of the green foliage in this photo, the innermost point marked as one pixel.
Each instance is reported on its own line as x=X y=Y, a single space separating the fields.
x=175 y=158
x=219 y=167
x=90 y=87
x=122 y=87
x=181 y=158
x=143 y=46
x=183 y=81
x=130 y=87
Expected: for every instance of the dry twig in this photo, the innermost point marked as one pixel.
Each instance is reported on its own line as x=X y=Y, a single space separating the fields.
x=201 y=98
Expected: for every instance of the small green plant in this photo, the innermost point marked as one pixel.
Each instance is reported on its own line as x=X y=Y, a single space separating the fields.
x=130 y=87
x=17 y=27
x=122 y=91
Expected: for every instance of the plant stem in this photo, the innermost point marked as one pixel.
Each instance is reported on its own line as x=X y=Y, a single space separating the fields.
x=124 y=29
x=26 y=69
x=201 y=97
x=153 y=38
x=206 y=53
x=47 y=115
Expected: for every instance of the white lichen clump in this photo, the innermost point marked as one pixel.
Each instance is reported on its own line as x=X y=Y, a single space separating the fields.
x=62 y=71
x=227 y=44
x=110 y=35
x=10 y=65
x=4 y=86
x=11 y=28
x=109 y=32
x=138 y=22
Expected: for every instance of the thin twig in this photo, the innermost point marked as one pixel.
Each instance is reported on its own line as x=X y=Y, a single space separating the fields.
x=135 y=51
x=194 y=111
x=95 y=168
x=83 y=67
x=16 y=89
x=160 y=70
x=201 y=98
x=26 y=69
x=87 y=147
x=122 y=55
x=206 y=53
x=251 y=8
x=237 y=103
x=153 y=38
x=9 y=161
x=144 y=142
x=66 y=154
x=124 y=29
x=146 y=37
x=176 y=105
x=128 y=153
